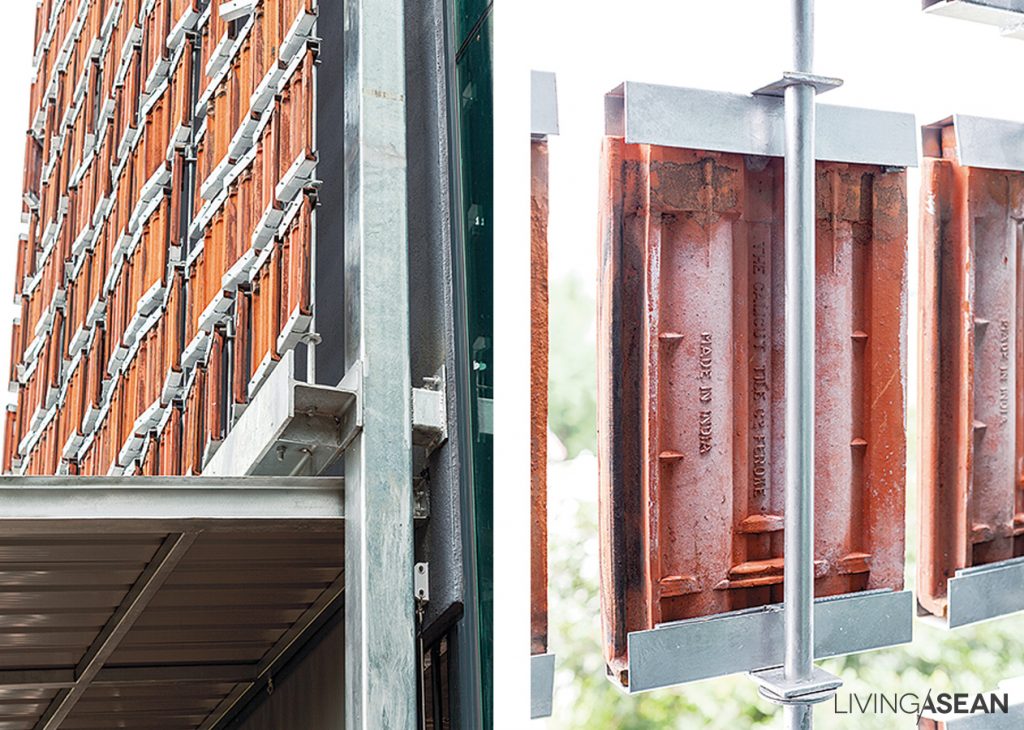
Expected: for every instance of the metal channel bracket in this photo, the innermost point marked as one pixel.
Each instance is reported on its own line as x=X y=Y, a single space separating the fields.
x=542 y=685
x=985 y=592
x=755 y=125
x=752 y=640
x=291 y=428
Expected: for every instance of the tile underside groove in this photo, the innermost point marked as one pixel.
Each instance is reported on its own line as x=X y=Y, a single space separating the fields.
x=691 y=465
x=163 y=271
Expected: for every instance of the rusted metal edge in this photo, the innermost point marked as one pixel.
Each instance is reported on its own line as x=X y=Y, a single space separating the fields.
x=745 y=641
x=994 y=144
x=754 y=125
x=986 y=592
x=543 y=105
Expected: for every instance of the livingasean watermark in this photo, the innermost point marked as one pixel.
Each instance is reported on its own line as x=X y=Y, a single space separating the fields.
x=950 y=704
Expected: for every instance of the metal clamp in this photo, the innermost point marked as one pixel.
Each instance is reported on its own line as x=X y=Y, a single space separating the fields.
x=430 y=412
x=421 y=582
x=774 y=687
x=778 y=88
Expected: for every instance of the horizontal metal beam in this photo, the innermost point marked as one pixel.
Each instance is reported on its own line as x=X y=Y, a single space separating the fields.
x=995 y=144
x=129 y=676
x=745 y=641
x=82 y=505
x=754 y=125
x=986 y=592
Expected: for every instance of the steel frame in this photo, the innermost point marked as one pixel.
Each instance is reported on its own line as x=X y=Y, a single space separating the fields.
x=368 y=418
x=182 y=508
x=796 y=128
x=700 y=119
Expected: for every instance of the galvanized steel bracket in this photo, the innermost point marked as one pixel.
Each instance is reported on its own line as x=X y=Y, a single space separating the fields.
x=993 y=144
x=985 y=592
x=821 y=84
x=774 y=687
x=543 y=105
x=430 y=412
x=291 y=426
x=542 y=685
x=236 y=10
x=752 y=639
x=421 y=582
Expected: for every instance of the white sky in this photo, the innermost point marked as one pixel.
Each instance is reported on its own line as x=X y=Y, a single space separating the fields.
x=16 y=62
x=889 y=53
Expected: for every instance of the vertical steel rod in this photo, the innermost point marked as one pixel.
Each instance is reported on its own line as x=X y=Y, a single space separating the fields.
x=800 y=295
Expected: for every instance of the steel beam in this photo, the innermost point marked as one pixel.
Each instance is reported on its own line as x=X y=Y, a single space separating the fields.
x=90 y=505
x=145 y=589
x=129 y=676
x=289 y=427
x=755 y=125
x=380 y=654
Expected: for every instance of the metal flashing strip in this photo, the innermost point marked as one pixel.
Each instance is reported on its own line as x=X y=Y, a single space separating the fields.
x=994 y=144
x=1001 y=13
x=543 y=104
x=542 y=685
x=713 y=120
x=986 y=592
x=745 y=641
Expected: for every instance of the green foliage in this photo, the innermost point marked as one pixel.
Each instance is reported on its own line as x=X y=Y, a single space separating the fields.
x=573 y=368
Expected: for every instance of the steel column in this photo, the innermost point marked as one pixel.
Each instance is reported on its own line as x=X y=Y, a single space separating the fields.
x=380 y=652
x=800 y=292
